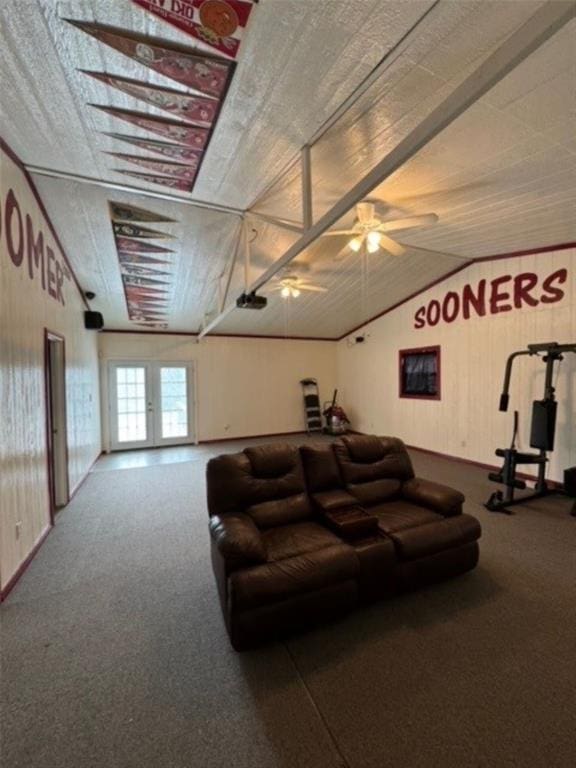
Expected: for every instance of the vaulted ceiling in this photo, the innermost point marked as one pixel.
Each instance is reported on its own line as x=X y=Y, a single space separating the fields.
x=501 y=177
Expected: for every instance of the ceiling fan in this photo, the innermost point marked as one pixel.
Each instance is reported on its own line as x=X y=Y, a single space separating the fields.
x=291 y=286
x=369 y=228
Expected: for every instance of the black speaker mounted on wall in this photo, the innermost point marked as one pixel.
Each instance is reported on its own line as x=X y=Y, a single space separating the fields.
x=93 y=321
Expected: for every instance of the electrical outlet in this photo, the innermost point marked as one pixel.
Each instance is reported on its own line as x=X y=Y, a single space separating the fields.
x=18 y=527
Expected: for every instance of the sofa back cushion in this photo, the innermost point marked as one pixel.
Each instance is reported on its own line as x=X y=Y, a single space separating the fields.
x=373 y=468
x=320 y=468
x=266 y=482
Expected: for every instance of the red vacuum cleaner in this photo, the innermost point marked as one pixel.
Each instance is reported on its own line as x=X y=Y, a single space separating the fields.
x=336 y=420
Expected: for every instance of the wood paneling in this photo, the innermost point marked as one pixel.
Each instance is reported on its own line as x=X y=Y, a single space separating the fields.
x=466 y=422
x=30 y=301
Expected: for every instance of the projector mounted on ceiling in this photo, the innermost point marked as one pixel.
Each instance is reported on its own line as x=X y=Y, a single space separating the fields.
x=251 y=301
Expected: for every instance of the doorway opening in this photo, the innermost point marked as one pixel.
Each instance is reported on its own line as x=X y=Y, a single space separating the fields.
x=56 y=436
x=151 y=404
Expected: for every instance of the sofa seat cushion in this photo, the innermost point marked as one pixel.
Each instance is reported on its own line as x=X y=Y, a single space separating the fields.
x=374 y=491
x=438 y=536
x=297 y=539
x=283 y=579
x=399 y=514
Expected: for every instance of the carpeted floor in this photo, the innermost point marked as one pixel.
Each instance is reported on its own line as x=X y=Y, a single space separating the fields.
x=114 y=653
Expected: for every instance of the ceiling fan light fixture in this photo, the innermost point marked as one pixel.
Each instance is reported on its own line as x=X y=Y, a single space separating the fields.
x=355 y=244
x=373 y=240
x=285 y=292
x=295 y=293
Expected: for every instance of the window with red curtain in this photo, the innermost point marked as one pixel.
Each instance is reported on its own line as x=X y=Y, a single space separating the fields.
x=420 y=373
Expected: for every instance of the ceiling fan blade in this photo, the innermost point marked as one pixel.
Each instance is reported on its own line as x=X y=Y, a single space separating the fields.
x=333 y=232
x=391 y=246
x=411 y=221
x=315 y=288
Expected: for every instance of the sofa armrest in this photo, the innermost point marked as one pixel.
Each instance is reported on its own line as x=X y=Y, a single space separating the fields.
x=439 y=498
x=238 y=540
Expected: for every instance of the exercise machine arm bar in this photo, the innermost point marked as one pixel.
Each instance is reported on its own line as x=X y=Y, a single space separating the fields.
x=533 y=349
x=505 y=396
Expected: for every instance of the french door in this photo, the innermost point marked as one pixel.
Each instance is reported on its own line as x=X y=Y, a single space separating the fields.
x=151 y=404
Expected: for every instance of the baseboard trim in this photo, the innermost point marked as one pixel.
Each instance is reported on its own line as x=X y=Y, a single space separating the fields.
x=251 y=437
x=80 y=482
x=13 y=580
x=479 y=464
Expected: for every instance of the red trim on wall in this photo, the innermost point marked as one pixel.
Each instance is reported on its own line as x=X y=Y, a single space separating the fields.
x=459 y=268
x=24 y=565
x=13 y=156
x=530 y=252
x=402 y=353
x=217 y=335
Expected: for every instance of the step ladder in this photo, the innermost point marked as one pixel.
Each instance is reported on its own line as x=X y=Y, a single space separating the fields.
x=312 y=413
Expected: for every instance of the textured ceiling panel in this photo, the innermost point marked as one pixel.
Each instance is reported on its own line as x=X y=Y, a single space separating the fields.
x=501 y=177
x=299 y=61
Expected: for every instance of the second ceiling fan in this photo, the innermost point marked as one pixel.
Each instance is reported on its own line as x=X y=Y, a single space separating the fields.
x=370 y=229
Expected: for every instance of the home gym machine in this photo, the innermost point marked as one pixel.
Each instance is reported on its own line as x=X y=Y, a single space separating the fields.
x=542 y=433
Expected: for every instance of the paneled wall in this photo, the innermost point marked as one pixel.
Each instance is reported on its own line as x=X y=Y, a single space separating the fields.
x=518 y=301
x=37 y=292
x=244 y=386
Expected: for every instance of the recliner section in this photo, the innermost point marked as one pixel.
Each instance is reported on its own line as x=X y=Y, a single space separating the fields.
x=280 y=564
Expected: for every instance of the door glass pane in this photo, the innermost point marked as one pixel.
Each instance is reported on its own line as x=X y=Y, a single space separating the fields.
x=131 y=404
x=174 y=401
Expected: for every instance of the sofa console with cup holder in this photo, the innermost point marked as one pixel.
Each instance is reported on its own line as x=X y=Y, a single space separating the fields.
x=300 y=535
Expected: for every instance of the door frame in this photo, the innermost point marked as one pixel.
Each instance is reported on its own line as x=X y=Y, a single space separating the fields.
x=53 y=336
x=153 y=421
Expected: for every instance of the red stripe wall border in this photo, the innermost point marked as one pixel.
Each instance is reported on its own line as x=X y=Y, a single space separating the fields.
x=14 y=157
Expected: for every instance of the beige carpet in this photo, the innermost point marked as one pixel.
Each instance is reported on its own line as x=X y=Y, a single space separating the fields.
x=114 y=653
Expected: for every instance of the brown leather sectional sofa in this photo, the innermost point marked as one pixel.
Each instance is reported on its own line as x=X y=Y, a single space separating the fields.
x=301 y=535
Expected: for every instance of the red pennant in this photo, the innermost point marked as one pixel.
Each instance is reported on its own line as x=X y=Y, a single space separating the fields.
x=178 y=170
x=190 y=135
x=173 y=151
x=127 y=245
x=202 y=72
x=217 y=23
x=166 y=181
x=199 y=110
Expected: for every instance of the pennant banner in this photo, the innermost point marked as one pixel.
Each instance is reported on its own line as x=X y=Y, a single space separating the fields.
x=199 y=110
x=161 y=166
x=137 y=258
x=166 y=181
x=202 y=72
x=142 y=281
x=191 y=136
x=129 y=269
x=217 y=23
x=126 y=212
x=134 y=230
x=126 y=245
x=173 y=151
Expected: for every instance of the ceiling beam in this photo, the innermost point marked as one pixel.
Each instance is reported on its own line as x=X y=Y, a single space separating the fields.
x=64 y=175
x=544 y=23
